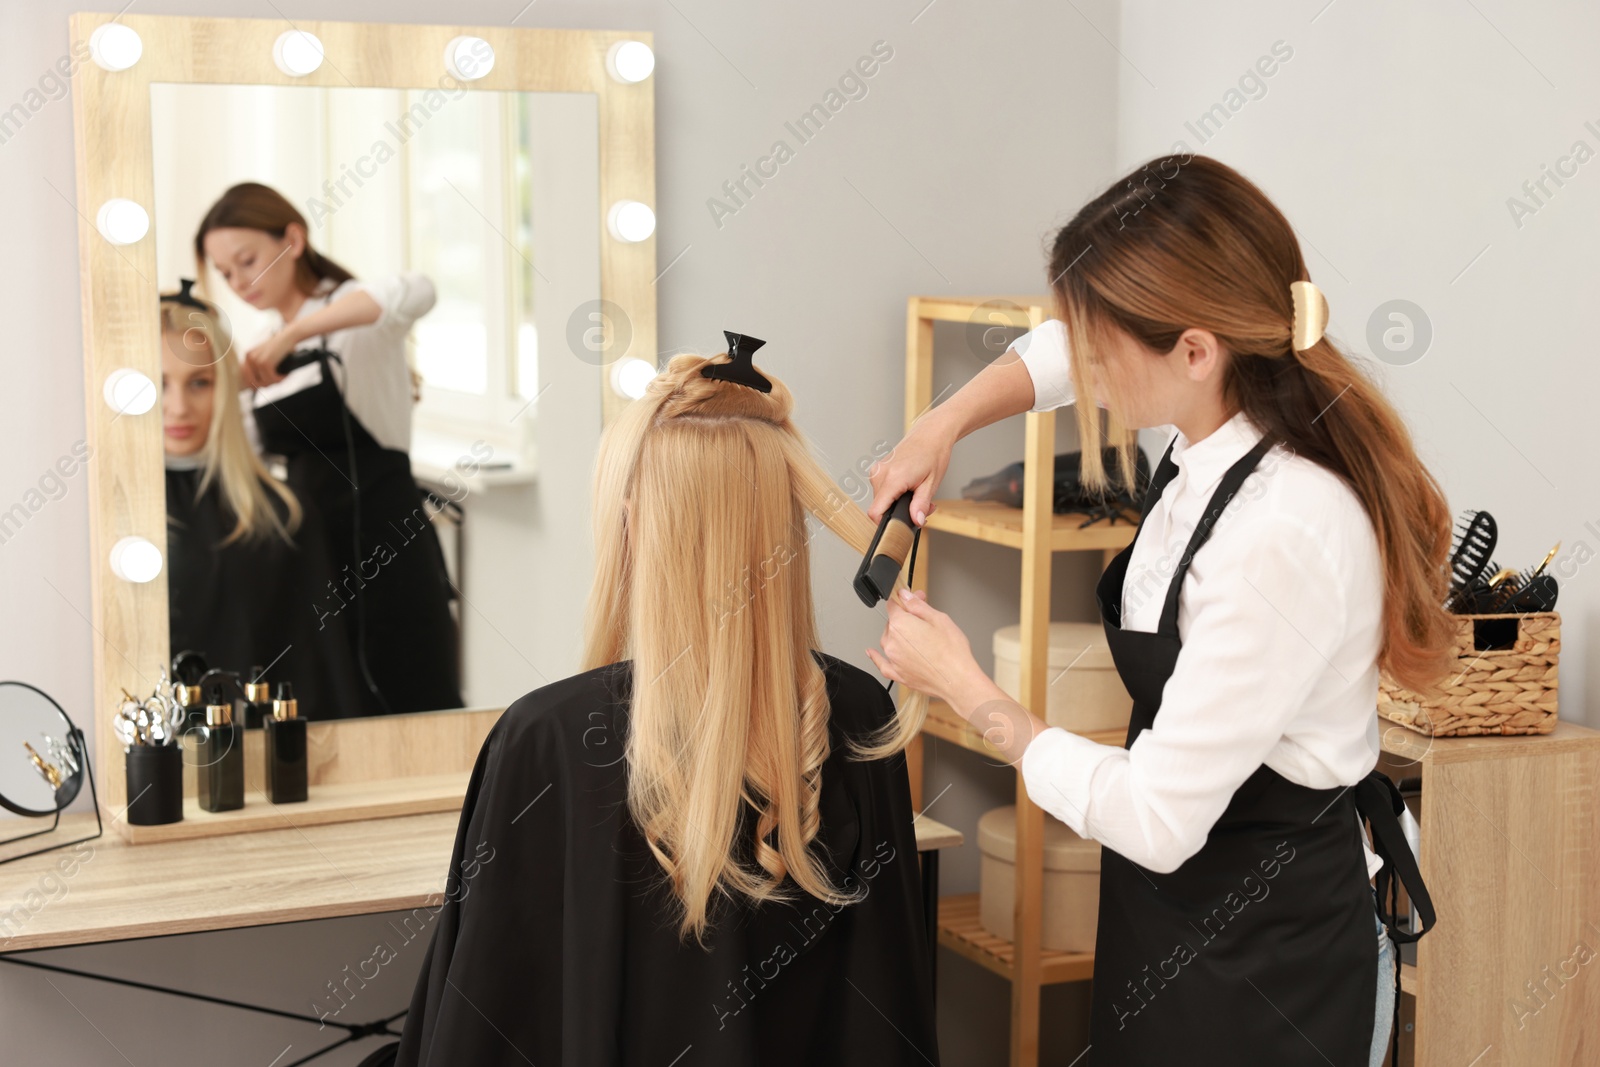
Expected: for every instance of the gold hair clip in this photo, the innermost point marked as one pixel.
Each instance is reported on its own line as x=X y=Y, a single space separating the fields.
x=1310 y=315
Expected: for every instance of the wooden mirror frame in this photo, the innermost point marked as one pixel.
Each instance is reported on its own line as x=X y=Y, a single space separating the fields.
x=359 y=768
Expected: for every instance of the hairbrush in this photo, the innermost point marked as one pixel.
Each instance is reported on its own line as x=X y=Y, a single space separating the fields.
x=1539 y=594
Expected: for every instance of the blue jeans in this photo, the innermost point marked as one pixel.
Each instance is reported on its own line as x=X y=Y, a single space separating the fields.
x=1383 y=1015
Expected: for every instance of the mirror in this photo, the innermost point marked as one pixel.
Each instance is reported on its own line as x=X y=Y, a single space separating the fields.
x=426 y=234
x=42 y=769
x=506 y=186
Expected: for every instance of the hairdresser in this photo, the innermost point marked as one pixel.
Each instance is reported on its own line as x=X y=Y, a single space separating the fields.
x=1292 y=544
x=341 y=420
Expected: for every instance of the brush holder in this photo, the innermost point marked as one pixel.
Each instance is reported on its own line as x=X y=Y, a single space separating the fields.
x=155 y=784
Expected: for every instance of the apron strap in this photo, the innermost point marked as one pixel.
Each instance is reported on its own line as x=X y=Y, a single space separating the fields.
x=1231 y=481
x=1380 y=803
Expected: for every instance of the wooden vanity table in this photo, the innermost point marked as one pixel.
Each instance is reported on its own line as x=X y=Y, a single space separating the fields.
x=293 y=874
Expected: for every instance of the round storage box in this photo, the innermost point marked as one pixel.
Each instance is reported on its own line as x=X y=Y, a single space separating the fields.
x=1071 y=881
x=1090 y=696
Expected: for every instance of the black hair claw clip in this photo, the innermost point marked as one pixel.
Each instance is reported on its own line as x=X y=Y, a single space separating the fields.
x=739 y=368
x=186 y=297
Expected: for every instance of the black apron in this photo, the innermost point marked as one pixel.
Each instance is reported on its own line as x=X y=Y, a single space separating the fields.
x=396 y=593
x=1260 y=948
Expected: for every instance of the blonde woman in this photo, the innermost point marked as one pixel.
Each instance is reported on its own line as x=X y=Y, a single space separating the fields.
x=245 y=556
x=699 y=850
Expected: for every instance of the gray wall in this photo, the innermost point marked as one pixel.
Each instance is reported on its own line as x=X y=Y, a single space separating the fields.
x=913 y=188
x=1396 y=139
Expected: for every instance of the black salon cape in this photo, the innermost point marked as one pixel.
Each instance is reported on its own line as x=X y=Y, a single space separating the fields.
x=553 y=946
x=253 y=604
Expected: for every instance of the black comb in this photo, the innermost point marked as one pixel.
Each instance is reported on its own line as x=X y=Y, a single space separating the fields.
x=739 y=368
x=1475 y=540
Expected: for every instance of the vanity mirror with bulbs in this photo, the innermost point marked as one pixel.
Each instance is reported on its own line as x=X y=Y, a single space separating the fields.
x=489 y=192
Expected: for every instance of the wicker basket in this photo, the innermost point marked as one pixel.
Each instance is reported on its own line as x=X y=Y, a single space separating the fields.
x=1504 y=681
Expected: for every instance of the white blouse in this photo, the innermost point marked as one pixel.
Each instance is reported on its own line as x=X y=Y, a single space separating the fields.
x=373 y=357
x=1280 y=616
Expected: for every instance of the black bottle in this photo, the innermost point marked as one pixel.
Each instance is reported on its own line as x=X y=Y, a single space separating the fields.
x=188 y=668
x=257 y=699
x=219 y=757
x=285 y=737
x=194 y=708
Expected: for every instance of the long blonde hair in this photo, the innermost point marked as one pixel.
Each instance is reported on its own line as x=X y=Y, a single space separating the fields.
x=704 y=582
x=1186 y=241
x=227 y=459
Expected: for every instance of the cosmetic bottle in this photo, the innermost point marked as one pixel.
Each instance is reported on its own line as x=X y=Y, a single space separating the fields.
x=257 y=699
x=194 y=708
x=188 y=667
x=219 y=757
x=285 y=736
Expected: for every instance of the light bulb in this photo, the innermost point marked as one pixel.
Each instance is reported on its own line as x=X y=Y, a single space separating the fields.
x=122 y=222
x=469 y=58
x=115 y=47
x=129 y=393
x=630 y=61
x=631 y=377
x=297 y=53
x=133 y=559
x=631 y=221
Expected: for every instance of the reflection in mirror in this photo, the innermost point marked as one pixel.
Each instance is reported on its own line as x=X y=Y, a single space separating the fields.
x=42 y=768
x=368 y=296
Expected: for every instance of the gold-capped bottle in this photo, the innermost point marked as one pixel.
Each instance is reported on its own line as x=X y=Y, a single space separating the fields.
x=257 y=699
x=285 y=736
x=219 y=756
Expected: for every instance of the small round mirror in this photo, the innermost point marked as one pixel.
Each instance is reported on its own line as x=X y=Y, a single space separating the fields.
x=42 y=757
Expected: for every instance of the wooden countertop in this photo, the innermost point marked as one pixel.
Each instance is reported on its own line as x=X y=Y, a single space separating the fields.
x=109 y=890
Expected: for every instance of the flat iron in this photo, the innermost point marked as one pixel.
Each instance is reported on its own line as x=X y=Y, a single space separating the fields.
x=895 y=542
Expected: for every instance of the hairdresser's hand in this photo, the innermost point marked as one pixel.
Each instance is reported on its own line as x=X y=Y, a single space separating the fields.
x=260 y=364
x=924 y=649
x=917 y=462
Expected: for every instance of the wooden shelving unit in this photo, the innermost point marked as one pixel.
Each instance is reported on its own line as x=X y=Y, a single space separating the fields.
x=1510 y=825
x=1037 y=533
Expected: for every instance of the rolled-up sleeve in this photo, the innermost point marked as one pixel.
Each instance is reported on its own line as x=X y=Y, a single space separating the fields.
x=402 y=298
x=1257 y=642
x=1043 y=350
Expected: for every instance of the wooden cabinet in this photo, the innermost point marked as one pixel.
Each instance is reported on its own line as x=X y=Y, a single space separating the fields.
x=1510 y=975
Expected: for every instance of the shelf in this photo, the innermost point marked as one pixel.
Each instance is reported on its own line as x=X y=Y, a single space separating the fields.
x=985 y=520
x=961 y=933
x=943 y=722
x=329 y=803
x=933 y=835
